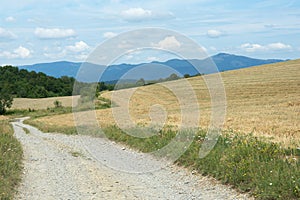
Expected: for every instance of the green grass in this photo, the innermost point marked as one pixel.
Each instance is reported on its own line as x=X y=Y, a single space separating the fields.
x=248 y=163
x=52 y=129
x=14 y=113
x=26 y=130
x=100 y=103
x=10 y=161
x=76 y=154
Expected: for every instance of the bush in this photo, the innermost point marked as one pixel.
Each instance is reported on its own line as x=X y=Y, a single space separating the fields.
x=57 y=104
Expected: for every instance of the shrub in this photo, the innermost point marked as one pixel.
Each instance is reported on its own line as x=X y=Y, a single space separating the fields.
x=57 y=104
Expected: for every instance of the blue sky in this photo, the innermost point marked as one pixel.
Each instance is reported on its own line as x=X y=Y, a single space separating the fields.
x=36 y=31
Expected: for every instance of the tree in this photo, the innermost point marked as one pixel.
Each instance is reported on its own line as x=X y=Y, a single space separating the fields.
x=173 y=77
x=22 y=83
x=186 y=76
x=6 y=99
x=141 y=82
x=101 y=87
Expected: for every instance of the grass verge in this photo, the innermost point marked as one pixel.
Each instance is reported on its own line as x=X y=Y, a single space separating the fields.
x=50 y=128
x=249 y=164
x=10 y=161
x=100 y=103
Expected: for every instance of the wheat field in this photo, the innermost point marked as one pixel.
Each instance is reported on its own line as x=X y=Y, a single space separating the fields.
x=263 y=100
x=3 y=117
x=42 y=103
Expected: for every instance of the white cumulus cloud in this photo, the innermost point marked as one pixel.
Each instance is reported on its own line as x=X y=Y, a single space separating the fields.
x=109 y=34
x=81 y=57
x=279 y=46
x=169 y=42
x=141 y=14
x=136 y=14
x=79 y=51
x=214 y=33
x=5 y=34
x=10 y=19
x=252 y=47
x=20 y=52
x=54 y=33
x=78 y=47
x=248 y=47
x=152 y=58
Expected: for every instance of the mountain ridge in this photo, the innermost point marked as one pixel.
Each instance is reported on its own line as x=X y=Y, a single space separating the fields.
x=223 y=61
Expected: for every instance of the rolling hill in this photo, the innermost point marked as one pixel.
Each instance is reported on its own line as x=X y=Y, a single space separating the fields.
x=262 y=100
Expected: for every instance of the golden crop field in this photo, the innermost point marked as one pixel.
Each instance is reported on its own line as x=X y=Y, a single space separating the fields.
x=43 y=103
x=264 y=100
x=3 y=117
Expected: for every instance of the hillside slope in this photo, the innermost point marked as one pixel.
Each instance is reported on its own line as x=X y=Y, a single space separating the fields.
x=263 y=100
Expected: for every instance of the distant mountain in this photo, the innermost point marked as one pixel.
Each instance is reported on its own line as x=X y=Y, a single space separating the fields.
x=227 y=62
x=56 y=69
x=149 y=71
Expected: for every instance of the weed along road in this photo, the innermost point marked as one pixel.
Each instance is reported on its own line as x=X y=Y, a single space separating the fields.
x=58 y=166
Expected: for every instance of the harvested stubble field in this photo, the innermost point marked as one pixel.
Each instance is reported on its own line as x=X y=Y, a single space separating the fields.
x=42 y=103
x=263 y=100
x=3 y=117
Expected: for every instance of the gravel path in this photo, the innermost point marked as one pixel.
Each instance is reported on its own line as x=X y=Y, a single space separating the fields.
x=58 y=166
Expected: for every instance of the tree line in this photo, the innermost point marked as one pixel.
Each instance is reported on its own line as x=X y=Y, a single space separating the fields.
x=25 y=84
x=20 y=83
x=15 y=82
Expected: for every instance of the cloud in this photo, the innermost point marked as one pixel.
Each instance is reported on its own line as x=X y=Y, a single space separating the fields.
x=10 y=19
x=214 y=33
x=212 y=48
x=54 y=33
x=279 y=46
x=55 y=55
x=153 y=58
x=252 y=47
x=169 y=42
x=124 y=45
x=77 y=51
x=140 y=14
x=269 y=47
x=20 y=52
x=78 y=47
x=136 y=14
x=81 y=57
x=270 y=25
x=5 y=34
x=108 y=35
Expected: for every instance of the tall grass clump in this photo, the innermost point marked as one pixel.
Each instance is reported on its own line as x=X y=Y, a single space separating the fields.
x=249 y=164
x=10 y=161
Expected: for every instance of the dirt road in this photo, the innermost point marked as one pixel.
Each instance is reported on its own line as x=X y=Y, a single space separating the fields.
x=58 y=166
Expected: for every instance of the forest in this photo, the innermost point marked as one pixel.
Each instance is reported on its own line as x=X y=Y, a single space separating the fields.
x=25 y=84
x=21 y=83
